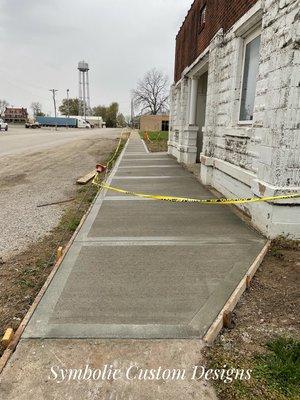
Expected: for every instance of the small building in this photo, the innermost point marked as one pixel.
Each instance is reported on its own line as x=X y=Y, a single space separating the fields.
x=15 y=115
x=235 y=105
x=154 y=123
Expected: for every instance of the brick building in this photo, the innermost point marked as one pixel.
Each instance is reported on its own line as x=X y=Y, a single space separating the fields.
x=15 y=115
x=235 y=104
x=154 y=123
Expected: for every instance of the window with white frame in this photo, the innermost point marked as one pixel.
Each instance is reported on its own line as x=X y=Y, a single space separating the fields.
x=249 y=77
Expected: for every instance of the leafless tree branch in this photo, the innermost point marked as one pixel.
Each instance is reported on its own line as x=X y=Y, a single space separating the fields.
x=151 y=93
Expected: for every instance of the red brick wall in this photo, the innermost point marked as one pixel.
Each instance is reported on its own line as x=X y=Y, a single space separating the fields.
x=191 y=41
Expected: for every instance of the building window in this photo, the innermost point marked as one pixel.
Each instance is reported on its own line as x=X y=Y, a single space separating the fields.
x=202 y=18
x=249 y=77
x=165 y=126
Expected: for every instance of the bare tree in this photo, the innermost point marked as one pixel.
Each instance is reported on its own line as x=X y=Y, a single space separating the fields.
x=3 y=105
x=152 y=93
x=37 y=109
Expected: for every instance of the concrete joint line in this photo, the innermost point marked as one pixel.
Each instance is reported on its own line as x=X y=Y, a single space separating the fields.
x=129 y=153
x=158 y=241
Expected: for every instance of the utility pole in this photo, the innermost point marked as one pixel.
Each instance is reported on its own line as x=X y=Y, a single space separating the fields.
x=53 y=91
x=132 y=113
x=68 y=105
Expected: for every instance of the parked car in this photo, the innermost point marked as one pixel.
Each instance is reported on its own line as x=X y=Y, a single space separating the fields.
x=3 y=125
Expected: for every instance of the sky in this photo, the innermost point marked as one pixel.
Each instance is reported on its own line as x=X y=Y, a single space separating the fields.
x=42 y=41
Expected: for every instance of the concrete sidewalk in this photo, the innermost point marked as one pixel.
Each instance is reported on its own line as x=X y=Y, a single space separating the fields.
x=147 y=269
x=138 y=269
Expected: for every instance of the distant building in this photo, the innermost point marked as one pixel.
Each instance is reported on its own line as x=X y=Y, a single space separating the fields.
x=153 y=123
x=15 y=115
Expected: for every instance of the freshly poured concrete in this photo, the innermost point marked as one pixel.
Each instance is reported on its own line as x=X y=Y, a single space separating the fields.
x=147 y=269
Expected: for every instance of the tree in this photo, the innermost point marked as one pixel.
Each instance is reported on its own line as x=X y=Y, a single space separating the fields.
x=121 y=122
x=152 y=93
x=37 y=109
x=73 y=107
x=109 y=114
x=3 y=105
x=100 y=111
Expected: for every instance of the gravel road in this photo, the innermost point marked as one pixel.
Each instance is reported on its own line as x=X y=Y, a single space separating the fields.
x=38 y=167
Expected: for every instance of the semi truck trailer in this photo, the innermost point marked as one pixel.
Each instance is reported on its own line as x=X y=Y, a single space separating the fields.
x=63 y=122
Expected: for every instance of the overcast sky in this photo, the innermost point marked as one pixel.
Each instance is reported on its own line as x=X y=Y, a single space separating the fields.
x=41 y=42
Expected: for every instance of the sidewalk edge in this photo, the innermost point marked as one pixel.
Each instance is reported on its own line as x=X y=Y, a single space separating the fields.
x=231 y=303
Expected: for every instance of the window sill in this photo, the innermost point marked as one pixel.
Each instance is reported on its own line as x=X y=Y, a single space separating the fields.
x=244 y=131
x=245 y=123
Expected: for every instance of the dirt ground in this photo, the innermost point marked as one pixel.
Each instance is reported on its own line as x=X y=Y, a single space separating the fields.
x=32 y=179
x=269 y=310
x=31 y=234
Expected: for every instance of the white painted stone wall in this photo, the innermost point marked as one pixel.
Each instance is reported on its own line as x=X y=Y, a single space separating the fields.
x=262 y=158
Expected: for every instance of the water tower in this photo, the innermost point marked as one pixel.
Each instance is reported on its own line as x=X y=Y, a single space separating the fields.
x=84 y=89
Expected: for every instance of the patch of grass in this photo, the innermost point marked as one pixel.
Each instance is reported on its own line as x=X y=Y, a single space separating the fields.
x=281 y=244
x=155 y=135
x=123 y=142
x=275 y=374
x=284 y=243
x=27 y=283
x=155 y=141
x=280 y=368
x=276 y=252
x=29 y=272
x=72 y=224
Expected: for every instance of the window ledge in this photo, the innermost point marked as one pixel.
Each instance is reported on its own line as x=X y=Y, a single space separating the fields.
x=245 y=124
x=239 y=131
x=252 y=18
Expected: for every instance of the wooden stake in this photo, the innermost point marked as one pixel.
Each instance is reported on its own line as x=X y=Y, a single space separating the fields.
x=59 y=253
x=8 y=337
x=248 y=282
x=227 y=319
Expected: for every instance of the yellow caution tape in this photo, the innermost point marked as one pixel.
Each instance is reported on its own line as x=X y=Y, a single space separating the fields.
x=116 y=151
x=148 y=138
x=201 y=201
